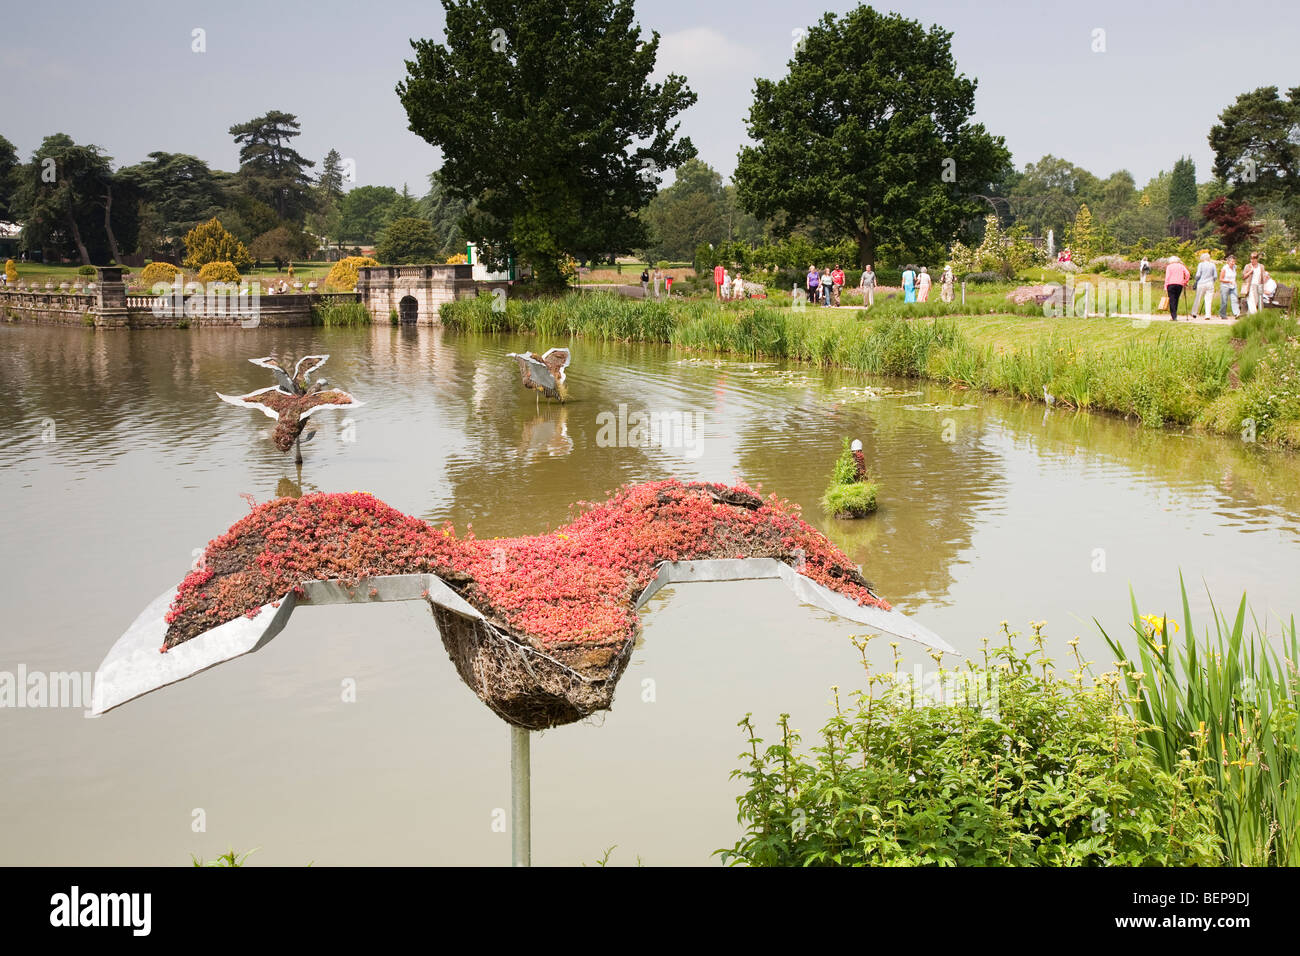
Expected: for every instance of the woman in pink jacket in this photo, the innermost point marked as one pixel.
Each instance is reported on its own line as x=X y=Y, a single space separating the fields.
x=1176 y=276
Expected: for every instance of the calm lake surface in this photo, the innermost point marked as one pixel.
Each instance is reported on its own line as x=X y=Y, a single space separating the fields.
x=992 y=512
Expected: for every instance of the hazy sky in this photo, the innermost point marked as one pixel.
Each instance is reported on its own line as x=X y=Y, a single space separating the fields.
x=123 y=76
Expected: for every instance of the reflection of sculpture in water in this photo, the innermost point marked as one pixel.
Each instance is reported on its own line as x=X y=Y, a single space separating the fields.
x=544 y=372
x=288 y=488
x=292 y=400
x=547 y=434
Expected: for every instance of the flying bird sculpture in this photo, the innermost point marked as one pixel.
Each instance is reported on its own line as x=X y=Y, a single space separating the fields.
x=544 y=372
x=292 y=400
x=541 y=628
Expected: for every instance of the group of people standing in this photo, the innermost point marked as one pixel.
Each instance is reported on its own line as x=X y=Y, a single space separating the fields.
x=660 y=278
x=726 y=285
x=1256 y=285
x=917 y=284
x=825 y=285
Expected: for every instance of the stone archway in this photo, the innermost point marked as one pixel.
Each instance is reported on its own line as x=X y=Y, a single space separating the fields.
x=408 y=310
x=416 y=293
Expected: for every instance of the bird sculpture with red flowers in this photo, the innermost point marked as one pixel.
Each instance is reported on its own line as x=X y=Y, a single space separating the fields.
x=540 y=627
x=293 y=400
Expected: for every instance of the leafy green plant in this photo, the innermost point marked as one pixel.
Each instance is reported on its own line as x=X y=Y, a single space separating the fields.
x=229 y=858
x=329 y=311
x=1231 y=701
x=849 y=494
x=1015 y=766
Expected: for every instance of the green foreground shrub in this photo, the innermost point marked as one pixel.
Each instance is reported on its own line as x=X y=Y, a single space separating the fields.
x=1016 y=767
x=1231 y=701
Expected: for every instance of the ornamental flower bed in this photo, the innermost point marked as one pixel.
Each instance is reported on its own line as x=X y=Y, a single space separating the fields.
x=563 y=602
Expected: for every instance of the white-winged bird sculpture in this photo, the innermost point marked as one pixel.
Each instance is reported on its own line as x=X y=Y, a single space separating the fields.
x=541 y=628
x=293 y=400
x=544 y=372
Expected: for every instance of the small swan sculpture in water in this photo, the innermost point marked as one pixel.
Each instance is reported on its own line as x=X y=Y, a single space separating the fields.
x=292 y=400
x=543 y=372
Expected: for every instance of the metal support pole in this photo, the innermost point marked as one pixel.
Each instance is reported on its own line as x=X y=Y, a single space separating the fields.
x=521 y=838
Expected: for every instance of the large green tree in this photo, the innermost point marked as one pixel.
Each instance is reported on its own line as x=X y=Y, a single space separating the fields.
x=445 y=212
x=364 y=210
x=548 y=124
x=179 y=192
x=407 y=241
x=270 y=169
x=75 y=205
x=1256 y=147
x=1047 y=195
x=690 y=211
x=9 y=177
x=326 y=218
x=1182 y=189
x=871 y=130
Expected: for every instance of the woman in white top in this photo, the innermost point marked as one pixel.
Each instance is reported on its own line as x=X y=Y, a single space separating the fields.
x=923 y=285
x=738 y=287
x=1253 y=278
x=1228 y=288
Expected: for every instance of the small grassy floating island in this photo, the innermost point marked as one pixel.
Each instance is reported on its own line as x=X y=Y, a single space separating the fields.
x=852 y=493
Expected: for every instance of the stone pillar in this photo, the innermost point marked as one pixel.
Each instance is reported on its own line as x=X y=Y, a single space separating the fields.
x=110 y=298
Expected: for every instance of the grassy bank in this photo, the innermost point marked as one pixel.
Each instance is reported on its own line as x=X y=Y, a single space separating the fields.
x=1162 y=374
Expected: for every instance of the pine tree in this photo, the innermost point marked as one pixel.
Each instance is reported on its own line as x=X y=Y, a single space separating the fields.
x=1083 y=240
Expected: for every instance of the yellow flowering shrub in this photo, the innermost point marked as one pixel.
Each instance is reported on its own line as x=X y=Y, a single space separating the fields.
x=11 y=270
x=219 y=272
x=156 y=272
x=343 y=276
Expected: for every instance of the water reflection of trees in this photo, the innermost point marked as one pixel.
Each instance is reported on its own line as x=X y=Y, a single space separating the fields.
x=450 y=406
x=933 y=492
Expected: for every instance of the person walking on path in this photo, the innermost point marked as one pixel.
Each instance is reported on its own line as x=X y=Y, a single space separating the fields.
x=1176 y=276
x=867 y=285
x=1252 y=279
x=1144 y=270
x=738 y=288
x=909 y=284
x=825 y=286
x=1228 y=288
x=659 y=280
x=726 y=284
x=814 y=279
x=645 y=282
x=923 y=284
x=837 y=283
x=945 y=284
x=719 y=274
x=1205 y=282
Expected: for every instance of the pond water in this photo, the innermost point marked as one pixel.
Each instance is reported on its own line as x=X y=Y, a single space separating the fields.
x=118 y=461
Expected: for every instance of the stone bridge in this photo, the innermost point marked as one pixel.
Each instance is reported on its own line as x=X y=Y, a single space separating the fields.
x=416 y=292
